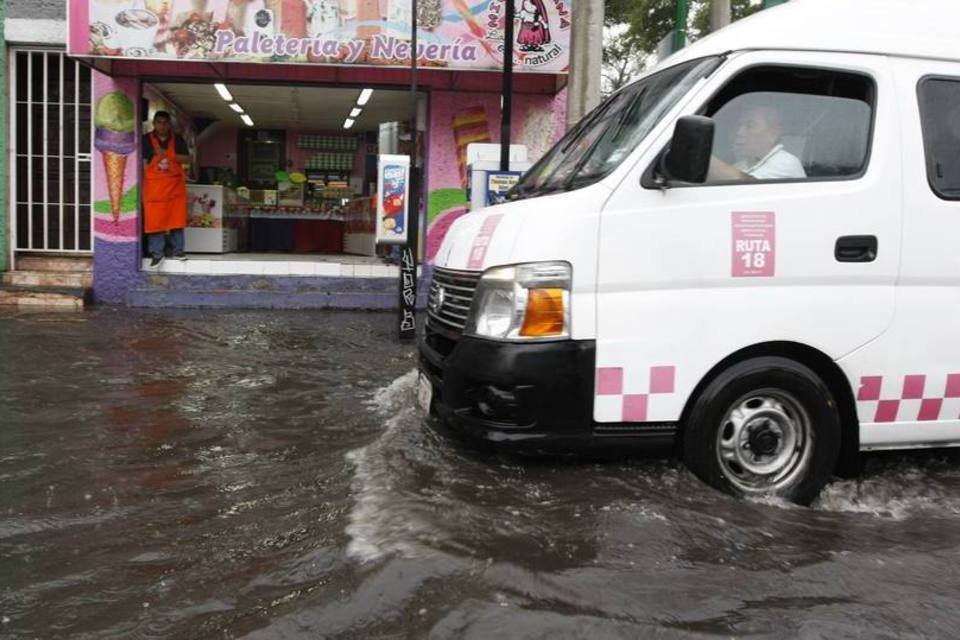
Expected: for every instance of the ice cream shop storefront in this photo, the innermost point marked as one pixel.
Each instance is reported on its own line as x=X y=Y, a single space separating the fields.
x=289 y=111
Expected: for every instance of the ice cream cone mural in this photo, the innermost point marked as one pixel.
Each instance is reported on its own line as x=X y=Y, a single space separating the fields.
x=115 y=139
x=469 y=125
x=116 y=228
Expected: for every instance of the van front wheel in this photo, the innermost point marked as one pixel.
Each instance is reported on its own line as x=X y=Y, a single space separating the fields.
x=764 y=427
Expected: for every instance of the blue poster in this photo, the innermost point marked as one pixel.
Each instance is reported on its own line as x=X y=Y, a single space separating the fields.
x=498 y=183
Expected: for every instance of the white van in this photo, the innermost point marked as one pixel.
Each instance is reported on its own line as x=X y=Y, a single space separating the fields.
x=752 y=252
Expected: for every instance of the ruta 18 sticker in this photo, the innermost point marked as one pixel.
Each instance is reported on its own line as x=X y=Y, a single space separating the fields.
x=754 y=244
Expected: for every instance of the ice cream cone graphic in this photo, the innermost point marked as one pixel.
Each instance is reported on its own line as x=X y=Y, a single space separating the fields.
x=469 y=125
x=115 y=139
x=115 y=165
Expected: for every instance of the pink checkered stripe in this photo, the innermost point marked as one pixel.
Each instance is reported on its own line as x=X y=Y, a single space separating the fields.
x=635 y=406
x=914 y=387
x=482 y=241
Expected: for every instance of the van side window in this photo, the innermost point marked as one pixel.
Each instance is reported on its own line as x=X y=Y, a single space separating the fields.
x=940 y=121
x=791 y=123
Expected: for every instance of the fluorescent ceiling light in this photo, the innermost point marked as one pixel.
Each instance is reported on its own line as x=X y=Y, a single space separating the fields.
x=347 y=123
x=236 y=107
x=356 y=111
x=224 y=93
x=364 y=97
x=247 y=120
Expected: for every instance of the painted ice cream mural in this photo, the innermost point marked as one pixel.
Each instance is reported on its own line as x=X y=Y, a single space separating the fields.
x=453 y=34
x=116 y=174
x=456 y=120
x=115 y=139
x=468 y=125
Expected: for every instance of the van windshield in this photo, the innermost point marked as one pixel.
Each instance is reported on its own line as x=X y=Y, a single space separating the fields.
x=604 y=137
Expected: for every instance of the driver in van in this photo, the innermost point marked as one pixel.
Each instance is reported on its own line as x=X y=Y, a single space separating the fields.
x=758 y=151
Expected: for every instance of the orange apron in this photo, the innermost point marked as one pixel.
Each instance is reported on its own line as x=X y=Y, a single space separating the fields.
x=164 y=192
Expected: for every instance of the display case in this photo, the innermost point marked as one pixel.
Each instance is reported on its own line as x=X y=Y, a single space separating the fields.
x=360 y=230
x=214 y=222
x=290 y=195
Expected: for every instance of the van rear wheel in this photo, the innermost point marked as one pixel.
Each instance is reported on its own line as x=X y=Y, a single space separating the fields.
x=764 y=427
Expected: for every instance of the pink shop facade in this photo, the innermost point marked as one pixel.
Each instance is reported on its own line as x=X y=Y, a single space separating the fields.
x=286 y=107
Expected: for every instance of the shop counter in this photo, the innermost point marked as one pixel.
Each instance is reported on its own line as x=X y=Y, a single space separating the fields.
x=296 y=232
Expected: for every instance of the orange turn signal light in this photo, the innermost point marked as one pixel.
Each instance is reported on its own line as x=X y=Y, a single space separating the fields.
x=544 y=315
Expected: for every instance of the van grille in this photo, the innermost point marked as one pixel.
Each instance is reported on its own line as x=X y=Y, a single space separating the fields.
x=451 y=307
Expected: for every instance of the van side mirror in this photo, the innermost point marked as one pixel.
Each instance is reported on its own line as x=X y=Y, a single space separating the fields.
x=688 y=157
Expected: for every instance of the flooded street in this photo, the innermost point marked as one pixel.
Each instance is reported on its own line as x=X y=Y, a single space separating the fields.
x=197 y=474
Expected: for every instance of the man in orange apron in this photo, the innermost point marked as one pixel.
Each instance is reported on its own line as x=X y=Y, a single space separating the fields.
x=164 y=189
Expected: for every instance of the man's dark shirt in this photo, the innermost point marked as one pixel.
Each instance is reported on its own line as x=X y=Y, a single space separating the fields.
x=146 y=147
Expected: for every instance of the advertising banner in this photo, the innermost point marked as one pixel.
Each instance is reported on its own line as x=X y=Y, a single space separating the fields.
x=393 y=192
x=453 y=34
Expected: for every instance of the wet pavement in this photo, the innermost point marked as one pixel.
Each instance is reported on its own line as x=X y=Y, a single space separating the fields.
x=196 y=474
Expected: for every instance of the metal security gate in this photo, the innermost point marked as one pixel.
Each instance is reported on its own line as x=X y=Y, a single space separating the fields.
x=51 y=149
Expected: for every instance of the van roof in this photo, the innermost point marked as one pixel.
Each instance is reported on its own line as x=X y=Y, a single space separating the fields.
x=913 y=28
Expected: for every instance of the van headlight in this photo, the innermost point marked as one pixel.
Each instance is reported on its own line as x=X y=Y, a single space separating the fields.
x=522 y=302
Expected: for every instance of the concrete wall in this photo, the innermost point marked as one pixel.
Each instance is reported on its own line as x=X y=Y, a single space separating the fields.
x=4 y=249
x=49 y=9
x=586 y=57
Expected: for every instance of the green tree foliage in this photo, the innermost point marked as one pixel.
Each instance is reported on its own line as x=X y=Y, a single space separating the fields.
x=651 y=20
x=623 y=58
x=738 y=9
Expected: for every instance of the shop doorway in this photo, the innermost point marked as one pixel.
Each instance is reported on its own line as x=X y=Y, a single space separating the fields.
x=283 y=177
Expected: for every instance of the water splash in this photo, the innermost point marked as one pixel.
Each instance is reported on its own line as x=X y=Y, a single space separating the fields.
x=895 y=490
x=376 y=526
x=396 y=396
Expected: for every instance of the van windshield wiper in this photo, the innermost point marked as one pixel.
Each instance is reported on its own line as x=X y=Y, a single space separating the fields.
x=533 y=192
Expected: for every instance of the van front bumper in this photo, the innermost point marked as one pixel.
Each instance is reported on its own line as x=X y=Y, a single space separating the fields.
x=525 y=396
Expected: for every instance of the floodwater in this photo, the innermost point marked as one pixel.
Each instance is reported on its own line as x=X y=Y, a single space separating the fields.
x=196 y=474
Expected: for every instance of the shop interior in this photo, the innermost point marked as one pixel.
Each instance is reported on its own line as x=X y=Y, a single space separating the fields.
x=283 y=174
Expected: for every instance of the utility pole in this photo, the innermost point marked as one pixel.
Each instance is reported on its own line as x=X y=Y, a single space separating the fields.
x=407 y=323
x=680 y=28
x=719 y=14
x=586 y=55
x=506 y=92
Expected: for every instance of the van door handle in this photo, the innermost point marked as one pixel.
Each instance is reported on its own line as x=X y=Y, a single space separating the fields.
x=856 y=249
